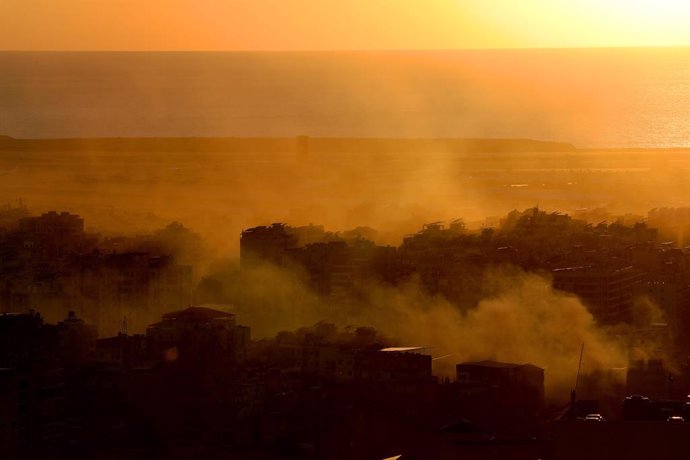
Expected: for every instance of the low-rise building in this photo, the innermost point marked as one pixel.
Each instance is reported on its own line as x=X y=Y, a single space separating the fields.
x=199 y=334
x=508 y=384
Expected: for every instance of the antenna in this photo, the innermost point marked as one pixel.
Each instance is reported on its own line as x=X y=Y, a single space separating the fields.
x=579 y=366
x=124 y=324
x=573 y=392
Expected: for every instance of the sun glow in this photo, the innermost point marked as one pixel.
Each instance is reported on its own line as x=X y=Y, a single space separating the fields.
x=658 y=20
x=657 y=12
x=334 y=24
x=585 y=23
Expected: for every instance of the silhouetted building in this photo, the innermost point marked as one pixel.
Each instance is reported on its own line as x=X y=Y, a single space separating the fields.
x=650 y=378
x=132 y=284
x=52 y=224
x=52 y=236
x=199 y=334
x=122 y=351
x=9 y=412
x=535 y=223
x=48 y=263
x=32 y=380
x=394 y=365
x=266 y=244
x=507 y=384
x=76 y=341
x=347 y=363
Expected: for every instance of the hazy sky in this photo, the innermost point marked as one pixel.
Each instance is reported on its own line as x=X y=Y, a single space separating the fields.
x=338 y=24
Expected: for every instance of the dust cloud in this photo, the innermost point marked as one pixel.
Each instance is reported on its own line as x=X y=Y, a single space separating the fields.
x=519 y=318
x=268 y=298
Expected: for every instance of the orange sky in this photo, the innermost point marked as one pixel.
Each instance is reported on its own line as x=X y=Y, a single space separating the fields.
x=338 y=24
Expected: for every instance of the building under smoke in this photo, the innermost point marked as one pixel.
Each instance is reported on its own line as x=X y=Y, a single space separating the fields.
x=50 y=264
x=335 y=267
x=607 y=292
x=266 y=244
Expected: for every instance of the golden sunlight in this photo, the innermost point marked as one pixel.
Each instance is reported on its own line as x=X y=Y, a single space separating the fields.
x=584 y=23
x=332 y=24
x=666 y=19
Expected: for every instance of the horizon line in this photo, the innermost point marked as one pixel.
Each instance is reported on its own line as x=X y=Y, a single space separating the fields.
x=571 y=144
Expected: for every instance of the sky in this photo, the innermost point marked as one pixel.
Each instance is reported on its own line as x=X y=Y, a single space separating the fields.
x=339 y=24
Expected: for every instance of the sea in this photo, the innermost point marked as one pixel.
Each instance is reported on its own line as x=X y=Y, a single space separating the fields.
x=592 y=98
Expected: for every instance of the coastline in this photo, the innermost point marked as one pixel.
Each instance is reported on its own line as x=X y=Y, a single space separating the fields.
x=326 y=144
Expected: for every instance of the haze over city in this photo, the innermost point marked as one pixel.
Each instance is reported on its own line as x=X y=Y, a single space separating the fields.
x=315 y=229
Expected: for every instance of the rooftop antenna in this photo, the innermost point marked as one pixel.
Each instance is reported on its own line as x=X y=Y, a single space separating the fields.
x=573 y=393
x=579 y=366
x=124 y=324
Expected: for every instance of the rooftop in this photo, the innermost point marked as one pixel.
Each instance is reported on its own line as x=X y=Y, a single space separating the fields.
x=495 y=364
x=403 y=349
x=197 y=314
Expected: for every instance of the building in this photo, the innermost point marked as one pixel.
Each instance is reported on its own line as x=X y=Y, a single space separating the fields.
x=76 y=341
x=652 y=378
x=347 y=363
x=53 y=236
x=535 y=223
x=394 y=365
x=335 y=266
x=52 y=224
x=122 y=351
x=506 y=384
x=607 y=292
x=9 y=412
x=266 y=244
x=132 y=285
x=199 y=335
x=32 y=381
